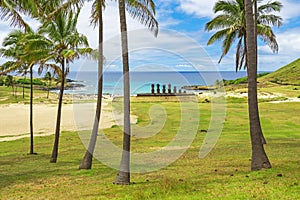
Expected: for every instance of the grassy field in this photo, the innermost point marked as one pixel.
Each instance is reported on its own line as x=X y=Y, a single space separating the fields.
x=223 y=174
x=39 y=96
x=287 y=75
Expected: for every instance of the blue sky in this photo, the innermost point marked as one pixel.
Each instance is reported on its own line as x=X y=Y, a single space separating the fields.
x=181 y=42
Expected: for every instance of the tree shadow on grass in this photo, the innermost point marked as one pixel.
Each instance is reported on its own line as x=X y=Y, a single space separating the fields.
x=24 y=168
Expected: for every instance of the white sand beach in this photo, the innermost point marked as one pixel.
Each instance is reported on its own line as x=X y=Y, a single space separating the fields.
x=14 y=119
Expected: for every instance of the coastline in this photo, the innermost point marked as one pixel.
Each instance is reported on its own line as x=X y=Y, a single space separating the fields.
x=79 y=109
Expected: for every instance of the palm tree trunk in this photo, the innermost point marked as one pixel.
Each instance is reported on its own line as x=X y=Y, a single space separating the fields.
x=123 y=176
x=13 y=89
x=58 y=119
x=16 y=90
x=263 y=139
x=259 y=156
x=48 y=90
x=23 y=87
x=31 y=110
x=86 y=163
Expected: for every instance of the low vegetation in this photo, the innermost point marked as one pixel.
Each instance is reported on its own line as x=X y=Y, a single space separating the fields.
x=40 y=96
x=242 y=80
x=287 y=75
x=223 y=174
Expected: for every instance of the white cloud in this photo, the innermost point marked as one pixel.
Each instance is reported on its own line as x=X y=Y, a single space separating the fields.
x=170 y=48
x=144 y=47
x=140 y=37
x=200 y=8
x=290 y=9
x=204 y=8
x=289 y=48
x=111 y=25
x=289 y=41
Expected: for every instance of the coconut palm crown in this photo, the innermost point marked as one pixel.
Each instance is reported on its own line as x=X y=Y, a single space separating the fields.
x=231 y=25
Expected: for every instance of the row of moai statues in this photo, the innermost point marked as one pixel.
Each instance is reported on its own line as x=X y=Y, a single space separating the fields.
x=164 y=90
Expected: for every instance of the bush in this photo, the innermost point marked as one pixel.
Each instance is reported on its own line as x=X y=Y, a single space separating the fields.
x=298 y=96
x=236 y=81
x=262 y=74
x=23 y=81
x=37 y=82
x=2 y=81
x=242 y=80
x=26 y=81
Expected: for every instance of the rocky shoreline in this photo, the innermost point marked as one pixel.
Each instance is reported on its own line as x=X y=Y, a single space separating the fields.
x=198 y=87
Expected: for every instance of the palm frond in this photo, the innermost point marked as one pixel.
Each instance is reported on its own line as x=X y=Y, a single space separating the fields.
x=47 y=66
x=218 y=36
x=10 y=66
x=220 y=21
x=269 y=7
x=140 y=11
x=67 y=6
x=228 y=41
x=9 y=12
x=94 y=12
x=268 y=36
x=230 y=24
x=271 y=19
x=238 y=54
x=228 y=7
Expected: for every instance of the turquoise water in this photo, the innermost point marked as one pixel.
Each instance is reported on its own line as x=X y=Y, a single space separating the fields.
x=140 y=82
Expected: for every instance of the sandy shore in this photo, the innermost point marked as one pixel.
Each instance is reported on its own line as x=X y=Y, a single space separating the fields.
x=14 y=119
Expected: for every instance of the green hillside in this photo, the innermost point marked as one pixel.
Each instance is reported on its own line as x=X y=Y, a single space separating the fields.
x=287 y=75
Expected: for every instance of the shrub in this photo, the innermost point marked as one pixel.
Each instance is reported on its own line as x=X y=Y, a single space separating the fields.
x=262 y=74
x=242 y=80
x=2 y=81
x=26 y=81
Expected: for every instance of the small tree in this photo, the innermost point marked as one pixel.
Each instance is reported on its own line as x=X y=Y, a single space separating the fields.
x=48 y=78
x=66 y=46
x=9 y=82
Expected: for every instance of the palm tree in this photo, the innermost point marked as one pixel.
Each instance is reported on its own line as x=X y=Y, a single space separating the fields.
x=23 y=71
x=9 y=82
x=235 y=24
x=66 y=42
x=24 y=55
x=231 y=25
x=16 y=50
x=144 y=11
x=48 y=78
x=259 y=157
x=10 y=10
x=97 y=17
x=86 y=163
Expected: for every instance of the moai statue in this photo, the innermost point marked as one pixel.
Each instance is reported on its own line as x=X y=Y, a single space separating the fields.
x=152 y=88
x=175 y=90
x=179 y=91
x=157 y=89
x=164 y=89
x=169 y=88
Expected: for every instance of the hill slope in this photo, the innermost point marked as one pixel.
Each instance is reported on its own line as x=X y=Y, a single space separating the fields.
x=287 y=75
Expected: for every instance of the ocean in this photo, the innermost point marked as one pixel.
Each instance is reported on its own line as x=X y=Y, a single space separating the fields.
x=140 y=82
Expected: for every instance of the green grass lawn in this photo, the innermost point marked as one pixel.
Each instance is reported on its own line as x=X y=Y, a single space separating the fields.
x=39 y=96
x=223 y=174
x=287 y=75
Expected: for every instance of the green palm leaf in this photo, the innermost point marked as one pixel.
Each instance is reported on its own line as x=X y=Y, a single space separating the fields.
x=230 y=24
